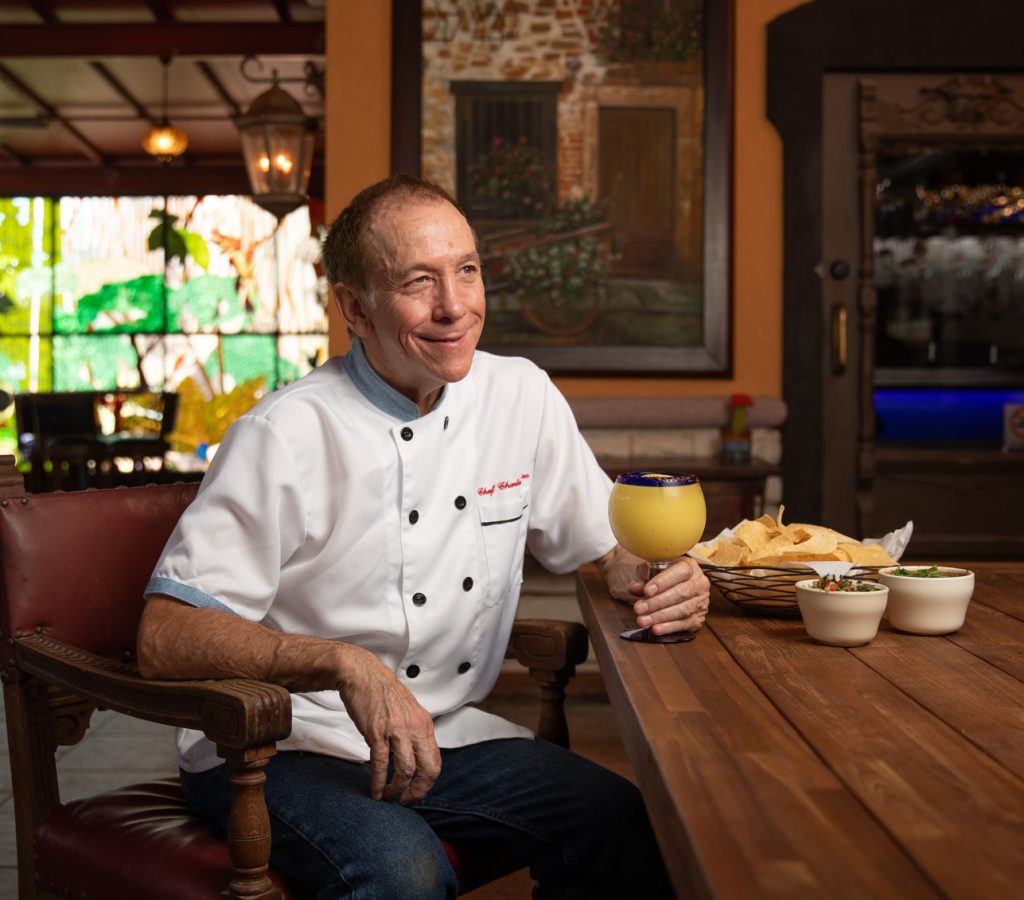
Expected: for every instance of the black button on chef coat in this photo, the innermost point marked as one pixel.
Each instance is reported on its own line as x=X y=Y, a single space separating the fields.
x=419 y=599
x=467 y=583
x=412 y=671
x=460 y=502
x=406 y=433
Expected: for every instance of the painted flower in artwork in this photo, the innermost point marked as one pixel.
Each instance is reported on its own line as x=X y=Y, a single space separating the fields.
x=511 y=180
x=572 y=267
x=641 y=31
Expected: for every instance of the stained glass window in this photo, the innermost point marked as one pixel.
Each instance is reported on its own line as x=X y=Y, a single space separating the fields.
x=146 y=293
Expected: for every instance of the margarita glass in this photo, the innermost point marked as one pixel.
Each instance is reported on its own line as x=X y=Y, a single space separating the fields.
x=658 y=517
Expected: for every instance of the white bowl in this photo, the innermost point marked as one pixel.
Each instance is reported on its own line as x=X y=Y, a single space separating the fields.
x=928 y=605
x=841 y=618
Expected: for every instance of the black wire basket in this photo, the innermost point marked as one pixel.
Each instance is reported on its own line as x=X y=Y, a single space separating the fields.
x=770 y=590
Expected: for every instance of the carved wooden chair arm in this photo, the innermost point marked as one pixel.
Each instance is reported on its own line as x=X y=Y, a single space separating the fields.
x=550 y=650
x=236 y=714
x=244 y=718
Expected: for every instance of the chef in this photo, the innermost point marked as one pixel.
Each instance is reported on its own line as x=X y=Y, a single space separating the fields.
x=359 y=538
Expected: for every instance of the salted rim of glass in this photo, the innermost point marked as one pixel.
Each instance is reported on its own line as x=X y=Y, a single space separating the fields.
x=657 y=479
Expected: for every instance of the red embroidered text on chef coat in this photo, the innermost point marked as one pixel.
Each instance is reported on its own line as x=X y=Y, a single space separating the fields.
x=488 y=490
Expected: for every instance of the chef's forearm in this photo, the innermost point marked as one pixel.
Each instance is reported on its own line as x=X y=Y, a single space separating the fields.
x=180 y=641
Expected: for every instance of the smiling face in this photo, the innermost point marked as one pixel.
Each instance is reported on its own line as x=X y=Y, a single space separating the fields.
x=423 y=325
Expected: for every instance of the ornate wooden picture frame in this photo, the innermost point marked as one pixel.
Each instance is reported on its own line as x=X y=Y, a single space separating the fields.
x=590 y=147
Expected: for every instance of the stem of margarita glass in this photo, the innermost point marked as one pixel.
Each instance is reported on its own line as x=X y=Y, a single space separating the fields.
x=653 y=568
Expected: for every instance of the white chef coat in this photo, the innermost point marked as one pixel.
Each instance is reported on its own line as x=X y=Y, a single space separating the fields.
x=333 y=509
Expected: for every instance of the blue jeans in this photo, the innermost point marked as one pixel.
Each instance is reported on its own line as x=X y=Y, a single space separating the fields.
x=581 y=829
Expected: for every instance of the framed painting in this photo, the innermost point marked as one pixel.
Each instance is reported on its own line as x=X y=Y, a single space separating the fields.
x=589 y=143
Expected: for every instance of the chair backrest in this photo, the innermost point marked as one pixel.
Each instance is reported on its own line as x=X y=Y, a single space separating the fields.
x=73 y=567
x=111 y=540
x=56 y=414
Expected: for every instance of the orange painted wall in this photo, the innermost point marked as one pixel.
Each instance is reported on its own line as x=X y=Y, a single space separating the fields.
x=358 y=152
x=357 y=127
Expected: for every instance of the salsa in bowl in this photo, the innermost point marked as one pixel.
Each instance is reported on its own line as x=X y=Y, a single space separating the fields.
x=843 y=612
x=833 y=583
x=927 y=599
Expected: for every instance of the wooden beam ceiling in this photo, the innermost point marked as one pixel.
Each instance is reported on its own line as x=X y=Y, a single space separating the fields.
x=173 y=39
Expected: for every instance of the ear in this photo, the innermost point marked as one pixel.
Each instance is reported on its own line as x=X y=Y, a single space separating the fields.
x=350 y=305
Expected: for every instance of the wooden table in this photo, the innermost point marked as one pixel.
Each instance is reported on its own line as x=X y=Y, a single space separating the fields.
x=773 y=766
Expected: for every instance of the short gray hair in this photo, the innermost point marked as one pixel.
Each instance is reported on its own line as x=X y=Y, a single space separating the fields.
x=347 y=255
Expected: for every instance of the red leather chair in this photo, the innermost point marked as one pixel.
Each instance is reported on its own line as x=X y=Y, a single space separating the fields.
x=72 y=570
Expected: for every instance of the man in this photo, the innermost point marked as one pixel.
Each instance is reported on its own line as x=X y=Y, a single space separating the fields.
x=359 y=538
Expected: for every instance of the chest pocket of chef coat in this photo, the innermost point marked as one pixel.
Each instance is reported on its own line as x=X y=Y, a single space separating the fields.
x=503 y=521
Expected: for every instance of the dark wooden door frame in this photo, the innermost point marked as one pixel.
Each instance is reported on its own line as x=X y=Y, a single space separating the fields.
x=406 y=86
x=843 y=36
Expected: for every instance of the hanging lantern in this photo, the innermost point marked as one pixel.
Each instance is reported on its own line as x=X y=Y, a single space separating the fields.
x=277 y=143
x=164 y=141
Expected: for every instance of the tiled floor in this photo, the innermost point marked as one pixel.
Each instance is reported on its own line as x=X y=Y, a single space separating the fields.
x=118 y=749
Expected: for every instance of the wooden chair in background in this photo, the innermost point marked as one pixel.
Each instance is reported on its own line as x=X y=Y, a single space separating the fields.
x=62 y=438
x=58 y=434
x=72 y=570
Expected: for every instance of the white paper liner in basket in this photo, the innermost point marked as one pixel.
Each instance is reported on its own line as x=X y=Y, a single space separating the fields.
x=740 y=584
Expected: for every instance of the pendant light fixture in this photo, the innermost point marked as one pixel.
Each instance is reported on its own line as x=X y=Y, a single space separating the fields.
x=277 y=144
x=164 y=141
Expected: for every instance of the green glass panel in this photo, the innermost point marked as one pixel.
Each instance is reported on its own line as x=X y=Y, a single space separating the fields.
x=27 y=270
x=117 y=278
x=125 y=307
x=25 y=364
x=91 y=362
x=242 y=358
x=238 y=238
x=207 y=303
x=114 y=268
x=9 y=434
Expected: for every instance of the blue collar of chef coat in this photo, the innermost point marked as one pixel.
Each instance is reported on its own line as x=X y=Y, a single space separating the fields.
x=376 y=389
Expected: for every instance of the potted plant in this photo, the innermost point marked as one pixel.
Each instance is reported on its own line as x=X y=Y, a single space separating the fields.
x=638 y=31
x=510 y=181
x=560 y=276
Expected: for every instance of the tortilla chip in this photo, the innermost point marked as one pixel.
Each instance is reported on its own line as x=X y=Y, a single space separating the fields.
x=819 y=540
x=766 y=541
x=754 y=534
x=798 y=533
x=728 y=554
x=777 y=546
x=868 y=554
x=809 y=557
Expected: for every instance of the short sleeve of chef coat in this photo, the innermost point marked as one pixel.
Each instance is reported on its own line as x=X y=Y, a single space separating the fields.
x=228 y=549
x=569 y=492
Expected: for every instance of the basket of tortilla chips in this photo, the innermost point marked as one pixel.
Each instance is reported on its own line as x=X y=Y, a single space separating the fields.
x=757 y=564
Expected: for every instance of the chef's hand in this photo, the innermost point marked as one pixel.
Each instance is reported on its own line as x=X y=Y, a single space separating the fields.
x=394 y=724
x=674 y=600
